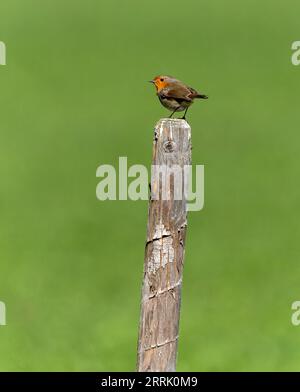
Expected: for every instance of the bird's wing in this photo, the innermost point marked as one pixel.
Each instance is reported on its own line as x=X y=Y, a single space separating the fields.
x=178 y=92
x=195 y=94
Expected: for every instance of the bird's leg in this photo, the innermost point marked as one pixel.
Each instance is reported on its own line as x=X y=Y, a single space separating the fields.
x=173 y=112
x=183 y=117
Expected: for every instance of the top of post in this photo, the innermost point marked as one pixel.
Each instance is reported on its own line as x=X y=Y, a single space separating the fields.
x=173 y=121
x=166 y=126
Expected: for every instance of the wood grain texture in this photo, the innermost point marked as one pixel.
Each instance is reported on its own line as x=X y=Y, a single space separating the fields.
x=164 y=252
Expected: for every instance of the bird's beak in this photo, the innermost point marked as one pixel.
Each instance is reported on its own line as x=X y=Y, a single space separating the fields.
x=151 y=81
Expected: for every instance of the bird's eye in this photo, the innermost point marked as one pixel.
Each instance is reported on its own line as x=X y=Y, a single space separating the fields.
x=161 y=79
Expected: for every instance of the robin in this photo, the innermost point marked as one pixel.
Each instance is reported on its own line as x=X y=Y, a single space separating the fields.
x=174 y=94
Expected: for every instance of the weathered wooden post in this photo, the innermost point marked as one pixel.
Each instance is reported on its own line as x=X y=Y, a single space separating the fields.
x=164 y=252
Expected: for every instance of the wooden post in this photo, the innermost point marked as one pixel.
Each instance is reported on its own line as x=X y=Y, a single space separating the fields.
x=164 y=252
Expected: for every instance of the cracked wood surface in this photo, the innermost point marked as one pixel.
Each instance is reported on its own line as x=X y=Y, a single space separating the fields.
x=164 y=252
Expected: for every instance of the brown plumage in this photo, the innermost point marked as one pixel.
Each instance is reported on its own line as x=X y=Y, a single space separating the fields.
x=174 y=94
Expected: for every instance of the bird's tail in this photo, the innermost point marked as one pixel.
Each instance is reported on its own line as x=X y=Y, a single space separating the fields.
x=203 y=96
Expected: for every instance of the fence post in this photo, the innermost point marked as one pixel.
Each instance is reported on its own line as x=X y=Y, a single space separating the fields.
x=164 y=251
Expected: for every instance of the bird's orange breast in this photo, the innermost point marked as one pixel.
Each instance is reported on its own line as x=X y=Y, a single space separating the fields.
x=160 y=85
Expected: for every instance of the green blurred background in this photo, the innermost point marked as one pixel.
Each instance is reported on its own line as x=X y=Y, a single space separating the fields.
x=74 y=96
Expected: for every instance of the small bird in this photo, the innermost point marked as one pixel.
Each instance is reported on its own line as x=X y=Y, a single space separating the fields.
x=174 y=94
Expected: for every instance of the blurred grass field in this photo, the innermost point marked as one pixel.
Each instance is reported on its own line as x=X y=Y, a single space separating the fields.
x=74 y=96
